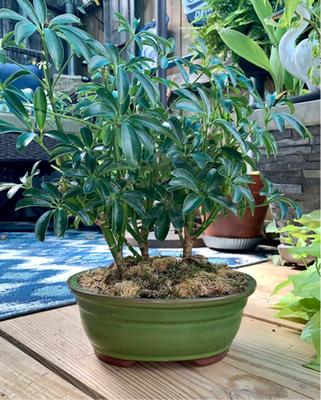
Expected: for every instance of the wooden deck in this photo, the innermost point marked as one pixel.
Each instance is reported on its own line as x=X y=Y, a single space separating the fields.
x=47 y=356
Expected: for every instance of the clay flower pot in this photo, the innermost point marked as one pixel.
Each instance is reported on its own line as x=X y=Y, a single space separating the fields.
x=239 y=233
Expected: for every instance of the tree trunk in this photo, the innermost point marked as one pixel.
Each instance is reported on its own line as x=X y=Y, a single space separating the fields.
x=188 y=244
x=143 y=245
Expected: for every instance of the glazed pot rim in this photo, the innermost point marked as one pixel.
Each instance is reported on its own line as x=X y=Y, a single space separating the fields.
x=73 y=285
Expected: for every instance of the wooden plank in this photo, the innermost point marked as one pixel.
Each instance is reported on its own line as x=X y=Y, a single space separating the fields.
x=264 y=358
x=21 y=377
x=259 y=304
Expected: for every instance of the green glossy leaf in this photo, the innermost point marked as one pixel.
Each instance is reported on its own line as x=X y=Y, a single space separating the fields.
x=60 y=222
x=87 y=136
x=97 y=62
x=131 y=145
x=118 y=216
x=40 y=107
x=17 y=75
x=65 y=19
x=59 y=136
x=24 y=140
x=55 y=47
x=16 y=106
x=162 y=225
x=229 y=128
x=149 y=86
x=40 y=10
x=42 y=224
x=23 y=30
x=264 y=10
x=122 y=83
x=245 y=47
x=89 y=185
x=5 y=13
x=107 y=98
x=78 y=44
x=99 y=109
x=26 y=6
x=31 y=202
x=191 y=203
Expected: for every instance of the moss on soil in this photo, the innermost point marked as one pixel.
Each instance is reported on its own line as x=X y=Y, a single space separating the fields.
x=166 y=278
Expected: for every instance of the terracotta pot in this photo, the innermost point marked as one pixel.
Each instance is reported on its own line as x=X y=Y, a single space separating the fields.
x=248 y=226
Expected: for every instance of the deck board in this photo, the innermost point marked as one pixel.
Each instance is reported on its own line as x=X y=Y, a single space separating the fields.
x=264 y=355
x=22 y=377
x=265 y=361
x=259 y=304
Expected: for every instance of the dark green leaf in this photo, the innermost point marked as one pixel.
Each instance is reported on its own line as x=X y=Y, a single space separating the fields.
x=55 y=47
x=60 y=222
x=97 y=62
x=24 y=140
x=40 y=107
x=26 y=6
x=107 y=98
x=149 y=86
x=23 y=30
x=16 y=106
x=131 y=145
x=15 y=76
x=57 y=135
x=162 y=225
x=87 y=136
x=5 y=13
x=89 y=185
x=65 y=19
x=99 y=109
x=118 y=216
x=191 y=203
x=78 y=44
x=42 y=224
x=31 y=202
x=41 y=10
x=122 y=83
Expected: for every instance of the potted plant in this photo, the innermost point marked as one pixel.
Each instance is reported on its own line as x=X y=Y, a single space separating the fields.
x=282 y=34
x=302 y=303
x=138 y=165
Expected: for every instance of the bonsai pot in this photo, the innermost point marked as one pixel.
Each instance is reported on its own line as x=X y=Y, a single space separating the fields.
x=124 y=330
x=231 y=232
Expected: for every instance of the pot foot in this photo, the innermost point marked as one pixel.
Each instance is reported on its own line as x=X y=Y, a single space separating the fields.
x=115 y=361
x=203 y=362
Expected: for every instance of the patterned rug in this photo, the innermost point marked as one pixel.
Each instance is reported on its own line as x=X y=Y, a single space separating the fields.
x=33 y=274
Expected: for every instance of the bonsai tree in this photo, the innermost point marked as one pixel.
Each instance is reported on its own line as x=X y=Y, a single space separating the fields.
x=136 y=165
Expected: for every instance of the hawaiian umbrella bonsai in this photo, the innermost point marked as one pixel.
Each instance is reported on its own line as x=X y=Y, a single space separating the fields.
x=138 y=165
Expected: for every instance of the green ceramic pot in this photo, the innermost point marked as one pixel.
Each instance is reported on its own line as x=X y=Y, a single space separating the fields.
x=160 y=330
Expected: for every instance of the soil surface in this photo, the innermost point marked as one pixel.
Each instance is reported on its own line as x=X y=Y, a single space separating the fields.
x=166 y=278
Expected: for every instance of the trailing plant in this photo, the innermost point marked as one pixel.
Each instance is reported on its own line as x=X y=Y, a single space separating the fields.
x=137 y=164
x=303 y=301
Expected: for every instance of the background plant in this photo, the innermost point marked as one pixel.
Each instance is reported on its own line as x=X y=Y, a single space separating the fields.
x=238 y=15
x=303 y=301
x=138 y=165
x=267 y=57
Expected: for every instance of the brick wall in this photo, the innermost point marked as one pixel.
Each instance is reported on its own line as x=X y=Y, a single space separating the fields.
x=296 y=169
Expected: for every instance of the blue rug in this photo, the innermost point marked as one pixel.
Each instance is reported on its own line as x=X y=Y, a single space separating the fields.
x=33 y=274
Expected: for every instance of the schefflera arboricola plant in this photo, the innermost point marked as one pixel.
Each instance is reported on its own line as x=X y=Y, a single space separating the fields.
x=137 y=164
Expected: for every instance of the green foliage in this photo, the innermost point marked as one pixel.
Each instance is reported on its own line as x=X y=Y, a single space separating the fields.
x=136 y=164
x=303 y=301
x=233 y=14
